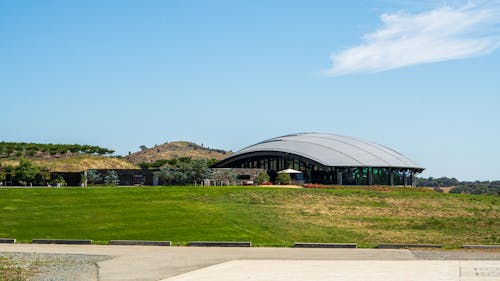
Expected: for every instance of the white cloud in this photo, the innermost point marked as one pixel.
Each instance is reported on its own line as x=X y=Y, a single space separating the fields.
x=405 y=39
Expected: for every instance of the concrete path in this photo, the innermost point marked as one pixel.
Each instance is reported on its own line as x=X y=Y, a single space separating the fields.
x=156 y=263
x=273 y=270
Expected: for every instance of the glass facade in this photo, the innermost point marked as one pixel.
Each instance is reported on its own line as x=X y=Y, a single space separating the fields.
x=317 y=173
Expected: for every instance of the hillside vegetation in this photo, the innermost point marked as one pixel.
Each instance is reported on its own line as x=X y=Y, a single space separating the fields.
x=176 y=149
x=61 y=157
x=465 y=187
x=23 y=149
x=265 y=216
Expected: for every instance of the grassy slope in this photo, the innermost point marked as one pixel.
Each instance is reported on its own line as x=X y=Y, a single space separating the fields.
x=265 y=216
x=77 y=163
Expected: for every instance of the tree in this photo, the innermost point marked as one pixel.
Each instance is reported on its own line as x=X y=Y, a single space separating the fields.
x=283 y=178
x=184 y=171
x=4 y=171
x=3 y=174
x=43 y=176
x=224 y=175
x=112 y=178
x=25 y=173
x=93 y=177
x=142 y=147
x=262 y=178
x=197 y=170
x=172 y=176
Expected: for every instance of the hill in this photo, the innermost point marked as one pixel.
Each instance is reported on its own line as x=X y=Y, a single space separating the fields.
x=176 y=149
x=76 y=163
x=265 y=216
x=61 y=157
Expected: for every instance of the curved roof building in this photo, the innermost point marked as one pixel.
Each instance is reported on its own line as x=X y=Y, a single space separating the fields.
x=327 y=158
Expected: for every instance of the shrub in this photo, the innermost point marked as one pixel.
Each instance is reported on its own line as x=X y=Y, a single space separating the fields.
x=283 y=178
x=262 y=178
x=58 y=180
x=93 y=177
x=112 y=178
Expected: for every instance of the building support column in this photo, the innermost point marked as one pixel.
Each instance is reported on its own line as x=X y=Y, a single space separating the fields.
x=391 y=177
x=370 y=176
x=339 y=177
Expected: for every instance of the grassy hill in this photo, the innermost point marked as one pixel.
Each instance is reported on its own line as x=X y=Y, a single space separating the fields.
x=76 y=163
x=61 y=157
x=176 y=149
x=265 y=216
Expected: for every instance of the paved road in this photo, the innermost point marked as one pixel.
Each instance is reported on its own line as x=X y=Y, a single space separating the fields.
x=156 y=263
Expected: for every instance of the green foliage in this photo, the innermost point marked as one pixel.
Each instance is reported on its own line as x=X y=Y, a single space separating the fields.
x=111 y=178
x=437 y=182
x=27 y=173
x=2 y=172
x=30 y=149
x=182 y=171
x=492 y=188
x=58 y=179
x=93 y=177
x=172 y=162
x=224 y=175
x=154 y=165
x=283 y=178
x=262 y=178
x=212 y=161
x=466 y=187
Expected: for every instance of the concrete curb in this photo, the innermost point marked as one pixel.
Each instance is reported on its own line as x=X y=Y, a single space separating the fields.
x=324 y=245
x=139 y=243
x=219 y=244
x=7 y=240
x=404 y=246
x=62 y=241
x=481 y=246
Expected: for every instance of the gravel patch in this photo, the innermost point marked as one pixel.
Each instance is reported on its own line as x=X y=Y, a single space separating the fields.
x=56 y=267
x=472 y=254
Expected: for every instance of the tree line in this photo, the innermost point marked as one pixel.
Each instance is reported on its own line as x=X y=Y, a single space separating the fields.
x=186 y=171
x=18 y=149
x=478 y=187
x=466 y=187
x=172 y=162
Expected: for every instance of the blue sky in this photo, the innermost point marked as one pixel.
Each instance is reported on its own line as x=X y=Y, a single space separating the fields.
x=418 y=76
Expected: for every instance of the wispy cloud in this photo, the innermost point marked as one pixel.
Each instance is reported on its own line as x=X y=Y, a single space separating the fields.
x=405 y=39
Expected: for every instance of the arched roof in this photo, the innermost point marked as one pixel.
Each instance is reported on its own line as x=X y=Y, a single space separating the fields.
x=329 y=150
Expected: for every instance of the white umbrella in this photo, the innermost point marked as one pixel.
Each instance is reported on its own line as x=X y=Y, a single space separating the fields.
x=289 y=171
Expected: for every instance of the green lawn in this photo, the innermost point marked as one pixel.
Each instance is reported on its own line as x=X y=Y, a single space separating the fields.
x=265 y=216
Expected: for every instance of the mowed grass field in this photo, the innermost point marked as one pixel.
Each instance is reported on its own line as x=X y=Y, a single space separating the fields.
x=265 y=216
